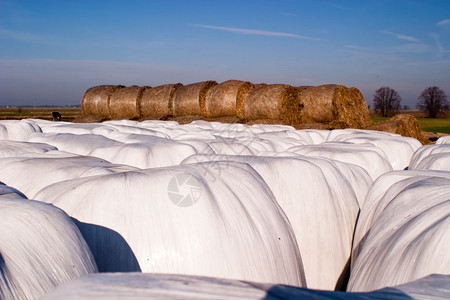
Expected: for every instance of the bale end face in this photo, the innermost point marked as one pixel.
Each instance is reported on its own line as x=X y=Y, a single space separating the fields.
x=204 y=93
x=291 y=111
x=171 y=96
x=350 y=107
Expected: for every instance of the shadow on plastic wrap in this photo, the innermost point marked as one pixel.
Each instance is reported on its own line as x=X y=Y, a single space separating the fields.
x=111 y=252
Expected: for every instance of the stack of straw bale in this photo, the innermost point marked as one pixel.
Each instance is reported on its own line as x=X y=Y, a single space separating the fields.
x=333 y=106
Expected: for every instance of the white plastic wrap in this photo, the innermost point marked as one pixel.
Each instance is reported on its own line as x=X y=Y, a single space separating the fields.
x=398 y=149
x=409 y=232
x=15 y=130
x=141 y=155
x=45 y=169
x=431 y=157
x=380 y=194
x=132 y=224
x=367 y=156
x=163 y=286
x=319 y=202
x=40 y=248
x=234 y=229
x=18 y=149
x=443 y=140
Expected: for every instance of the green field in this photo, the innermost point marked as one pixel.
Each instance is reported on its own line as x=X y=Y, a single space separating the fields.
x=435 y=125
x=379 y=119
x=441 y=125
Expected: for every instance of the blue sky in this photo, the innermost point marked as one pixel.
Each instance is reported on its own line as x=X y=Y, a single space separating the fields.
x=52 y=51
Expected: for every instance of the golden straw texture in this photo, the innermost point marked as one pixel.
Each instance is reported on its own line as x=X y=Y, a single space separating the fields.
x=223 y=99
x=189 y=100
x=95 y=100
x=276 y=102
x=157 y=102
x=125 y=102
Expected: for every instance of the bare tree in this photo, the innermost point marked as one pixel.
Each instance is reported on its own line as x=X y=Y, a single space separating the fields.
x=433 y=100
x=387 y=101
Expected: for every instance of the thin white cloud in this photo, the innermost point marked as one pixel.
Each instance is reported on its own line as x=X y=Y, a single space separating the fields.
x=445 y=22
x=358 y=50
x=401 y=36
x=407 y=38
x=255 y=32
x=19 y=36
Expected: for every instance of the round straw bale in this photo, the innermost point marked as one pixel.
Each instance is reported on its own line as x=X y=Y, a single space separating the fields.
x=95 y=100
x=125 y=102
x=317 y=103
x=189 y=100
x=403 y=124
x=223 y=99
x=350 y=107
x=275 y=101
x=334 y=103
x=157 y=102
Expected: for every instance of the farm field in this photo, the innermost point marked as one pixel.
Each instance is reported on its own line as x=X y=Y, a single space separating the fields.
x=45 y=113
x=441 y=125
